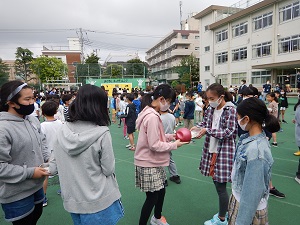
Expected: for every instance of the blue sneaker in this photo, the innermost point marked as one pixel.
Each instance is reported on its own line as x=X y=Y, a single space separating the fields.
x=216 y=221
x=45 y=202
x=59 y=192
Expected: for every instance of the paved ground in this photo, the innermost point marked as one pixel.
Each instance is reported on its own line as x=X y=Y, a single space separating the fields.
x=194 y=200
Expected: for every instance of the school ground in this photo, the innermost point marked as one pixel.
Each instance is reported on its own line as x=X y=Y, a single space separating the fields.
x=195 y=199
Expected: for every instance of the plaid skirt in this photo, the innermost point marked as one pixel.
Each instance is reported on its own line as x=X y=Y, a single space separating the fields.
x=150 y=179
x=260 y=218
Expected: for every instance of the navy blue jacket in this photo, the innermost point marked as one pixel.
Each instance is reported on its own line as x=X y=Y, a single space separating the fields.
x=189 y=110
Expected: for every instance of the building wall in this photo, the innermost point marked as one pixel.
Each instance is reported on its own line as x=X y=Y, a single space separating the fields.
x=225 y=72
x=169 y=52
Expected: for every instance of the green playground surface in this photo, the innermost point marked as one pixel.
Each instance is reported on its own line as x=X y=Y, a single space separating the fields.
x=195 y=199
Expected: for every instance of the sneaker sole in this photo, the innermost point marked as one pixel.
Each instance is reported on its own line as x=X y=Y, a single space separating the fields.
x=276 y=196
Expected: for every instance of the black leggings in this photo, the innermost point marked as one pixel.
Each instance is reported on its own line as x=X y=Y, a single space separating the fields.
x=32 y=218
x=156 y=199
x=223 y=198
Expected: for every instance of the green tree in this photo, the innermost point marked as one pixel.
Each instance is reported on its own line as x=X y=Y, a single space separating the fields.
x=114 y=70
x=4 y=72
x=188 y=70
x=174 y=83
x=134 y=67
x=91 y=68
x=92 y=58
x=49 y=68
x=23 y=61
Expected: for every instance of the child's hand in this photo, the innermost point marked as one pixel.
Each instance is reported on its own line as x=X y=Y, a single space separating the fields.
x=294 y=121
x=201 y=133
x=179 y=143
x=40 y=172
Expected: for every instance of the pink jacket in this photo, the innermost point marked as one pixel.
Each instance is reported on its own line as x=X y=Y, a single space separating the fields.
x=152 y=149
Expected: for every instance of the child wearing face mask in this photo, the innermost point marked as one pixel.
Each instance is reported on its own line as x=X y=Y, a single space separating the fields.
x=219 y=125
x=23 y=151
x=152 y=153
x=253 y=161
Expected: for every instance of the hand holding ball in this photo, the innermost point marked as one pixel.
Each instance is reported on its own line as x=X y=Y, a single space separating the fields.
x=184 y=135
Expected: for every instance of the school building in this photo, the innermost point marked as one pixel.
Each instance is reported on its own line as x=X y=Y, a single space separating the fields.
x=252 y=40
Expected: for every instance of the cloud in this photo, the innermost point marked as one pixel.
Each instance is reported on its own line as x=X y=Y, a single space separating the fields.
x=152 y=17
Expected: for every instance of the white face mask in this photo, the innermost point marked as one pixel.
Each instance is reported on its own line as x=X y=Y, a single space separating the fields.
x=282 y=93
x=214 y=104
x=243 y=127
x=164 y=107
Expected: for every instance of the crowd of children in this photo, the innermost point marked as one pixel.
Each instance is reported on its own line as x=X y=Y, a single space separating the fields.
x=74 y=132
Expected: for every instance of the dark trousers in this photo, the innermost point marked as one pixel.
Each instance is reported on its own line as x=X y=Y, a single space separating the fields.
x=223 y=198
x=32 y=218
x=156 y=199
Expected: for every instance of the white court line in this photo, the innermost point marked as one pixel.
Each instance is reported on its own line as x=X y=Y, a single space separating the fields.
x=289 y=160
x=229 y=188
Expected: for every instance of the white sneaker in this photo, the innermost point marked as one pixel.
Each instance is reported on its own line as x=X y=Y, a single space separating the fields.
x=128 y=146
x=297 y=179
x=216 y=221
x=161 y=221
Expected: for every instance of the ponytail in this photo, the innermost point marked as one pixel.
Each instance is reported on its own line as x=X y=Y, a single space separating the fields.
x=146 y=100
x=271 y=123
x=228 y=97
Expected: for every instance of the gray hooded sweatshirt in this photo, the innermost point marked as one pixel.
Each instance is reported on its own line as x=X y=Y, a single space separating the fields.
x=22 y=147
x=83 y=156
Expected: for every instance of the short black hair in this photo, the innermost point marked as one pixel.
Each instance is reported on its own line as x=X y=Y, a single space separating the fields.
x=90 y=104
x=66 y=98
x=130 y=97
x=250 y=91
x=49 y=108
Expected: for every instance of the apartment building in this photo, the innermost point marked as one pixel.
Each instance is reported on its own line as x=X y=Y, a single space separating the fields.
x=169 y=51
x=70 y=56
x=253 y=40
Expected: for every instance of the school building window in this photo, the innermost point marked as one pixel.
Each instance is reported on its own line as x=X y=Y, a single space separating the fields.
x=223 y=79
x=207 y=68
x=197 y=37
x=197 y=48
x=289 y=12
x=263 y=21
x=239 y=54
x=184 y=36
x=237 y=77
x=260 y=77
x=222 y=35
x=261 y=50
x=289 y=44
x=240 y=29
x=207 y=48
x=221 y=57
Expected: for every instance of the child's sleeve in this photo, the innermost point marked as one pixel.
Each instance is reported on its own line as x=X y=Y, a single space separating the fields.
x=229 y=129
x=106 y=155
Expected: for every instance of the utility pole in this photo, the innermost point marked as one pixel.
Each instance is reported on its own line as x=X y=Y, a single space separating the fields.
x=81 y=45
x=180 y=6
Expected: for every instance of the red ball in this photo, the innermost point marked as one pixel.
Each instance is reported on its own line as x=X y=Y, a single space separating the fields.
x=184 y=135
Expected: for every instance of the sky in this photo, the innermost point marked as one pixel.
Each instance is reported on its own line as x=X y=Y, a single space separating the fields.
x=112 y=27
